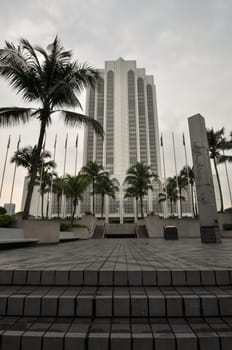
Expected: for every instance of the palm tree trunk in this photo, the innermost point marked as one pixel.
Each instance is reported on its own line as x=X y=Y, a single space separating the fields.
x=74 y=210
x=102 y=206
x=58 y=206
x=141 y=206
x=171 y=207
x=34 y=170
x=180 y=202
x=47 y=208
x=193 y=206
x=93 y=199
x=219 y=185
x=42 y=205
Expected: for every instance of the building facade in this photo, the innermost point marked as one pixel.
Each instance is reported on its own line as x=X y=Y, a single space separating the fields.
x=124 y=102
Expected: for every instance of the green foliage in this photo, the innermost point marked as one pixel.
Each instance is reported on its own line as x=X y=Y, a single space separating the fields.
x=7 y=220
x=227 y=227
x=66 y=226
x=2 y=211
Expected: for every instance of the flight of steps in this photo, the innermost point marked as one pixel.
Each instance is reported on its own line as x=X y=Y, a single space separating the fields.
x=124 y=309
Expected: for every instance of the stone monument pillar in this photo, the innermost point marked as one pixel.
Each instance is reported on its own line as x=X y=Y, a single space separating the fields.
x=208 y=216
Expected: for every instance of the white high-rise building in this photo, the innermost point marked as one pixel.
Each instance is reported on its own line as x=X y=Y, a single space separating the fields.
x=124 y=102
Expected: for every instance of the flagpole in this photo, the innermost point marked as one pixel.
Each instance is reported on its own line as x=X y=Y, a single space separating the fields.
x=76 y=146
x=51 y=192
x=165 y=180
x=177 y=184
x=64 y=169
x=13 y=181
x=228 y=181
x=40 y=181
x=4 y=167
x=187 y=170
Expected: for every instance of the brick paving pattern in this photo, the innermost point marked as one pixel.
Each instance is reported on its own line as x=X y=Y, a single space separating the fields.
x=130 y=294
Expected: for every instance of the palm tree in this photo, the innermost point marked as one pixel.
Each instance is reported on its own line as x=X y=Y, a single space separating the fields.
x=58 y=188
x=138 y=179
x=182 y=183
x=52 y=80
x=24 y=157
x=217 y=146
x=105 y=186
x=188 y=172
x=74 y=188
x=171 y=194
x=93 y=171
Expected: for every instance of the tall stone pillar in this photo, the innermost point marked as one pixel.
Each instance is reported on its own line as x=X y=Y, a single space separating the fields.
x=208 y=216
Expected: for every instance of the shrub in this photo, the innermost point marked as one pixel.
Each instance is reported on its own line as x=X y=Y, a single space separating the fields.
x=2 y=211
x=64 y=226
x=227 y=227
x=79 y=225
x=7 y=220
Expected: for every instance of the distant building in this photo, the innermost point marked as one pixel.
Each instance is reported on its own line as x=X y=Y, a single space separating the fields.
x=124 y=102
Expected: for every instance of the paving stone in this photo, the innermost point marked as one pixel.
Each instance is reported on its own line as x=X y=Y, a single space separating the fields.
x=98 y=341
x=33 y=277
x=149 y=278
x=3 y=304
x=67 y=305
x=174 y=306
x=62 y=278
x=120 y=278
x=76 y=278
x=222 y=277
x=6 y=276
x=178 y=278
x=32 y=305
x=156 y=305
x=84 y=306
x=74 y=341
x=209 y=305
x=164 y=278
x=142 y=342
x=121 y=305
x=135 y=278
x=226 y=341
x=193 y=278
x=120 y=341
x=225 y=305
x=164 y=342
x=104 y=306
x=91 y=277
x=32 y=340
x=139 y=307
x=209 y=342
x=15 y=305
x=53 y=340
x=10 y=340
x=186 y=341
x=192 y=305
x=47 y=278
x=106 y=278
x=19 y=277
x=208 y=278
x=49 y=305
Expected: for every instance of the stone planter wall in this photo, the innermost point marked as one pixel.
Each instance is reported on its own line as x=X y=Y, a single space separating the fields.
x=44 y=231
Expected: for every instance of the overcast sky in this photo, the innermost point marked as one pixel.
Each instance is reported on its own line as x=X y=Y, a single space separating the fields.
x=186 y=45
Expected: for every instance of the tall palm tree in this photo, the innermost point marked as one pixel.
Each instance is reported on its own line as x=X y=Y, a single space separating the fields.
x=24 y=157
x=217 y=146
x=74 y=188
x=171 y=193
x=182 y=183
x=57 y=188
x=188 y=172
x=51 y=79
x=93 y=171
x=138 y=179
x=105 y=186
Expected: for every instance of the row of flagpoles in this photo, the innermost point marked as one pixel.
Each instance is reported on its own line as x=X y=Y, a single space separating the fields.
x=75 y=170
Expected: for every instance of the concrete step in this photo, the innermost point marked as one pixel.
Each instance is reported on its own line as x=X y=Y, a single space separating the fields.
x=116 y=301
x=97 y=274
x=28 y=333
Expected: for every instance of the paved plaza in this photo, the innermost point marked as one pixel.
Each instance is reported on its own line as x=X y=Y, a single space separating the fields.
x=117 y=294
x=122 y=254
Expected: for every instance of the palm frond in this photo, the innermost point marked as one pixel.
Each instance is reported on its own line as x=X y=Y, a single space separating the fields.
x=10 y=116
x=74 y=119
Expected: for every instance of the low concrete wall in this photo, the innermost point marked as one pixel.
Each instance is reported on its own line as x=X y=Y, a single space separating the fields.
x=88 y=220
x=11 y=233
x=44 y=231
x=120 y=228
x=81 y=232
x=224 y=218
x=188 y=228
